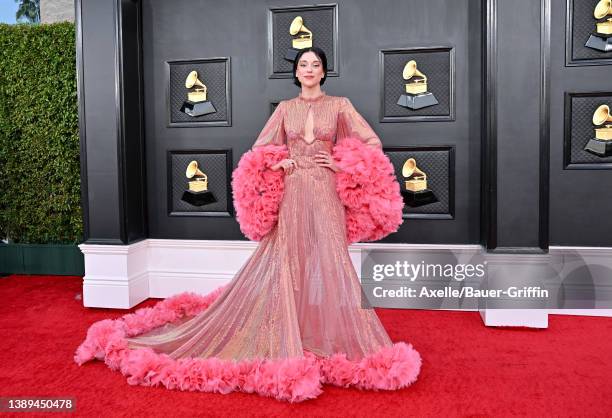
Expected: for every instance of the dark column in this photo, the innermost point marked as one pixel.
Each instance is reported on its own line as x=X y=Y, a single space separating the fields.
x=515 y=155
x=110 y=118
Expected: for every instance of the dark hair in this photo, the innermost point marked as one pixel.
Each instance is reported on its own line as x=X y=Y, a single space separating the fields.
x=319 y=53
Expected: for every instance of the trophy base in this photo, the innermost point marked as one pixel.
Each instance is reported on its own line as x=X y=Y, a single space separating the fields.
x=420 y=198
x=417 y=101
x=599 y=147
x=291 y=54
x=197 y=108
x=198 y=198
x=600 y=42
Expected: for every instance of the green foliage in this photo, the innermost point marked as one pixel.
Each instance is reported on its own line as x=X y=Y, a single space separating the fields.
x=39 y=137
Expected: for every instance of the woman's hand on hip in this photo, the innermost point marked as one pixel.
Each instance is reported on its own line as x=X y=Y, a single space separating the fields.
x=287 y=164
x=324 y=159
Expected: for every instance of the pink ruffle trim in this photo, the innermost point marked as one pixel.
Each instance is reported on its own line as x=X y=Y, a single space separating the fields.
x=293 y=380
x=257 y=190
x=368 y=188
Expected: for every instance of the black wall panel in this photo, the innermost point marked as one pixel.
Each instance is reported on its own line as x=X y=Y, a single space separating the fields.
x=580 y=195
x=513 y=186
x=98 y=120
x=519 y=111
x=238 y=30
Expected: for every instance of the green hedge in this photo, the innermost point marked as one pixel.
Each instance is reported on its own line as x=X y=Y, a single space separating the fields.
x=39 y=139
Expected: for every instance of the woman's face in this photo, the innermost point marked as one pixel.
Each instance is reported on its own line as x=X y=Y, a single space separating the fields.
x=309 y=70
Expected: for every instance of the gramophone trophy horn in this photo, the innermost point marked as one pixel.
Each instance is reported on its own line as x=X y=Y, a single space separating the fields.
x=305 y=39
x=603 y=9
x=200 y=182
x=417 y=180
x=193 y=170
x=411 y=70
x=198 y=93
x=416 y=192
x=196 y=103
x=602 y=38
x=601 y=145
x=600 y=117
x=416 y=95
x=302 y=38
x=198 y=193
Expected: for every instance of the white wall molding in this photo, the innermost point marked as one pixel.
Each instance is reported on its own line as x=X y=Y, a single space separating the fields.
x=530 y=318
x=122 y=276
x=116 y=276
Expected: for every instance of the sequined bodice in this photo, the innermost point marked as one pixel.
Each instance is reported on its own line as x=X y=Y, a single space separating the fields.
x=333 y=118
x=325 y=119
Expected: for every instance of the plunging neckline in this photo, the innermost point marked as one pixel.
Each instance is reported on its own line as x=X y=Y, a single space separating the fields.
x=310 y=143
x=310 y=111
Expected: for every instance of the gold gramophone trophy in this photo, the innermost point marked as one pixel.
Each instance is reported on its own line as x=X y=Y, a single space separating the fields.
x=196 y=103
x=601 y=39
x=601 y=145
x=416 y=95
x=198 y=193
x=302 y=38
x=415 y=192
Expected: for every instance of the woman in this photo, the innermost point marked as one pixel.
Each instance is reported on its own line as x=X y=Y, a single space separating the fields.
x=291 y=318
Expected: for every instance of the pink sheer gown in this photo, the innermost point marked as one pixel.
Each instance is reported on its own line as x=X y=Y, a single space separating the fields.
x=298 y=290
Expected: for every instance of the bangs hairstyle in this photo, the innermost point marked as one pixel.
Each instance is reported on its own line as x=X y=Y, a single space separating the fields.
x=322 y=57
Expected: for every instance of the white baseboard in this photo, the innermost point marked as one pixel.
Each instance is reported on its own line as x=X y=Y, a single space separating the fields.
x=581 y=312
x=122 y=276
x=116 y=276
x=530 y=318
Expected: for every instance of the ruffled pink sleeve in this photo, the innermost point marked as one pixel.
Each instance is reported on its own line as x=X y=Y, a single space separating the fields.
x=273 y=133
x=352 y=124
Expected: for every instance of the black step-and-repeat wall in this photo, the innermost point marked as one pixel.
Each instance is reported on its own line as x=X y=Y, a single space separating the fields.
x=581 y=162
x=461 y=92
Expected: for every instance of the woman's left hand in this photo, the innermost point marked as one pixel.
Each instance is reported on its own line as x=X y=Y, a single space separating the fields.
x=324 y=159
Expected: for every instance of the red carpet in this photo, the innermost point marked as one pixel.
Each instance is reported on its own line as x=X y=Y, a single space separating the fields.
x=468 y=369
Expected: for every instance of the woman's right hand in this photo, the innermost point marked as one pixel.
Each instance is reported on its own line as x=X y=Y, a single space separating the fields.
x=287 y=164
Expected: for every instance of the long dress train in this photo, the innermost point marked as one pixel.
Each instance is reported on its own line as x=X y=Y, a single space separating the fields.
x=291 y=318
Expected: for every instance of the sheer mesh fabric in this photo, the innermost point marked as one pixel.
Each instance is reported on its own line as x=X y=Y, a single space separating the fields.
x=298 y=290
